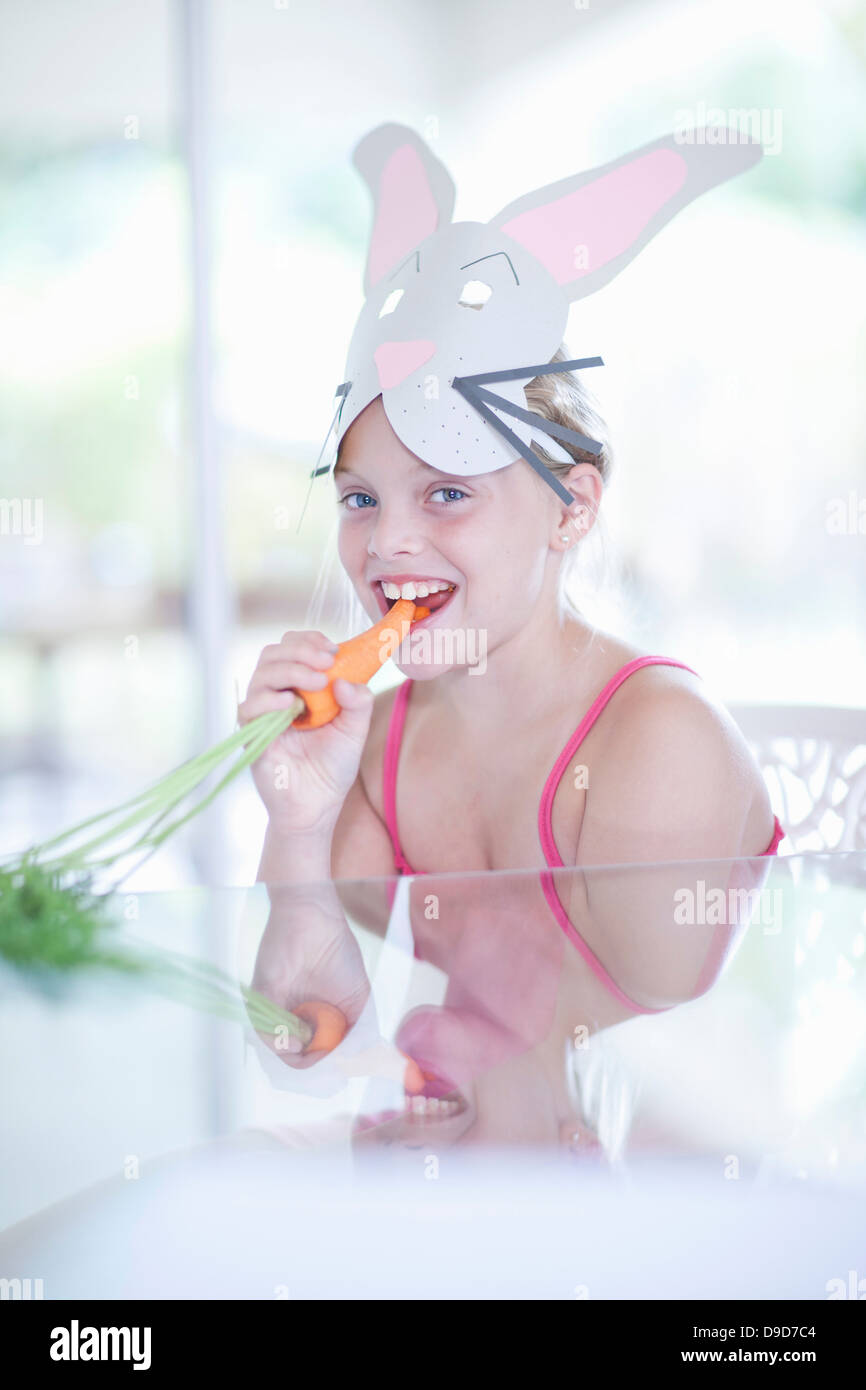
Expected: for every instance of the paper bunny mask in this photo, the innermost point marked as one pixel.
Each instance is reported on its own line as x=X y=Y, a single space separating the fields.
x=453 y=307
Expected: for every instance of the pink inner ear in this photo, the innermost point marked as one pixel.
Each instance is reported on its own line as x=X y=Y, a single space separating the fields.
x=406 y=212
x=397 y=360
x=605 y=217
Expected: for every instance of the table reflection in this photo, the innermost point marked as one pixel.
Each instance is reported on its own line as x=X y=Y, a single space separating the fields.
x=499 y=1002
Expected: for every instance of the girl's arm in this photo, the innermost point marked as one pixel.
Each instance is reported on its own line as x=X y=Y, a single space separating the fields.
x=674 y=781
x=361 y=851
x=354 y=846
x=362 y=855
x=361 y=846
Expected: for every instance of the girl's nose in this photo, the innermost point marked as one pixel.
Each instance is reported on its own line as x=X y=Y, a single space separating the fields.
x=395 y=531
x=397 y=360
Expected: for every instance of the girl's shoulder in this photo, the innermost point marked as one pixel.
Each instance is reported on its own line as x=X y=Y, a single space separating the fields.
x=672 y=749
x=644 y=683
x=658 y=693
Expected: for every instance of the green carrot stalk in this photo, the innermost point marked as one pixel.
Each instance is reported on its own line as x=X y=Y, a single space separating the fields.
x=51 y=917
x=356 y=659
x=48 y=927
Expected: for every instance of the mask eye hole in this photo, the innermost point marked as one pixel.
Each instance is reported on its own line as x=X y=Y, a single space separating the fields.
x=391 y=303
x=475 y=294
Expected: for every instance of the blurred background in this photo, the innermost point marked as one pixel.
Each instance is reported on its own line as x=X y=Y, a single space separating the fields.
x=182 y=242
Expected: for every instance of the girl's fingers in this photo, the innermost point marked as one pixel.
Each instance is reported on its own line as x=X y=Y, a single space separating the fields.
x=352 y=695
x=296 y=668
x=305 y=653
x=317 y=639
x=301 y=661
x=289 y=675
x=266 y=703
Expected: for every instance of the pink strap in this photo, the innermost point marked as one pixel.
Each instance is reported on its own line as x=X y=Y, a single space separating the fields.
x=743 y=876
x=551 y=853
x=545 y=808
x=389 y=773
x=778 y=836
x=545 y=826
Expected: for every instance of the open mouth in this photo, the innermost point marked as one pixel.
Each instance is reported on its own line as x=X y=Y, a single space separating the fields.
x=419 y=1113
x=439 y=594
x=426 y=1108
x=437 y=1103
x=436 y=1099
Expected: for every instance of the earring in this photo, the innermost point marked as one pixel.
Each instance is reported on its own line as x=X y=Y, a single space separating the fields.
x=579 y=522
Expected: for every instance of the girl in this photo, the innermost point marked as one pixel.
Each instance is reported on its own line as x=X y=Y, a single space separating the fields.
x=666 y=773
x=564 y=747
x=569 y=748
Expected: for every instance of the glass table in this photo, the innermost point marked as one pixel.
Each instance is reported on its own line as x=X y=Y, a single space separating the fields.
x=641 y=1081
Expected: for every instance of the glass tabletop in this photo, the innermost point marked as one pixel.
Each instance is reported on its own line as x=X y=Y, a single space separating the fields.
x=682 y=1043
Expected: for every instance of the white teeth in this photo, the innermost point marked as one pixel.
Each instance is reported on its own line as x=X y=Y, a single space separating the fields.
x=415 y=589
x=431 y=1105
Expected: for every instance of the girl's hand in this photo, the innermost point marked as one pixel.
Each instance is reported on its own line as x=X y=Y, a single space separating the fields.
x=308 y=953
x=304 y=776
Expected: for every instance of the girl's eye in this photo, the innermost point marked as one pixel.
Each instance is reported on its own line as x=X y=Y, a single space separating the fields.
x=345 y=500
x=459 y=491
x=456 y=494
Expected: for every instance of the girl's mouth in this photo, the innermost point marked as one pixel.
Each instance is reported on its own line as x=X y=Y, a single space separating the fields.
x=421 y=1115
x=434 y=600
x=432 y=1096
x=424 y=1109
x=433 y=1105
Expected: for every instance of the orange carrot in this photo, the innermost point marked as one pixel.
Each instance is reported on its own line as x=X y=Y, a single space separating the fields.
x=413 y=1078
x=327 y=1021
x=357 y=660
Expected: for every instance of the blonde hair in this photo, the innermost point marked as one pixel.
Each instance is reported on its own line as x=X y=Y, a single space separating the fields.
x=562 y=398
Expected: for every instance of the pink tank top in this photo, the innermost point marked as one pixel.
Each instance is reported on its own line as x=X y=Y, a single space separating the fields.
x=545 y=825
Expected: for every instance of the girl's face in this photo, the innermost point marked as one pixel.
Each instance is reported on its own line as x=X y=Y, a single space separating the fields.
x=493 y=536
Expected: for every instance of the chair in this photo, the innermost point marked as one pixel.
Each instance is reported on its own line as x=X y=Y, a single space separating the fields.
x=813 y=759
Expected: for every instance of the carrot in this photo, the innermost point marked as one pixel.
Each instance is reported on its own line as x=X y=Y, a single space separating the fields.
x=414 y=1079
x=49 y=885
x=327 y=1021
x=357 y=660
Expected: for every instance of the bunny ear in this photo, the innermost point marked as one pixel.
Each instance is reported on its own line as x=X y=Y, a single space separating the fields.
x=585 y=229
x=413 y=194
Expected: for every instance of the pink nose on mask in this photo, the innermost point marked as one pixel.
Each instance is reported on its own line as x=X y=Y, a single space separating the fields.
x=396 y=361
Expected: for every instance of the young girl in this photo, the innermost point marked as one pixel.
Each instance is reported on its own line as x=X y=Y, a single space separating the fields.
x=565 y=747
x=668 y=774
x=570 y=748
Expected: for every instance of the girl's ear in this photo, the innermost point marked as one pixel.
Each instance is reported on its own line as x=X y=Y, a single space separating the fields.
x=586 y=228
x=413 y=195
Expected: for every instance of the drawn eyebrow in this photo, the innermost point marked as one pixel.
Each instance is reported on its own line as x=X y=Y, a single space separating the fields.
x=417 y=255
x=488 y=257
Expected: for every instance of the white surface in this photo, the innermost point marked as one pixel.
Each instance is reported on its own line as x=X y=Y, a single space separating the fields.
x=234 y=1224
